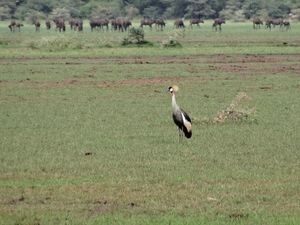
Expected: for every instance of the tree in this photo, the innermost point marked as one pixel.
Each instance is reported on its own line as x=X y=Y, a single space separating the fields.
x=106 y=12
x=239 y=16
x=45 y=6
x=233 y=5
x=9 y=7
x=168 y=9
x=217 y=6
x=4 y=13
x=86 y=10
x=198 y=9
x=251 y=7
x=74 y=6
x=152 y=12
x=60 y=13
x=179 y=7
x=32 y=16
x=131 y=12
x=21 y=13
x=295 y=14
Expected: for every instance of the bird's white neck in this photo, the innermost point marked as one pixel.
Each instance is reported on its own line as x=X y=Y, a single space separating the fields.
x=174 y=104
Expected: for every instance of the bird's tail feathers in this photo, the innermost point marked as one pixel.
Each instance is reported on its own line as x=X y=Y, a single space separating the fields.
x=187 y=134
x=187 y=127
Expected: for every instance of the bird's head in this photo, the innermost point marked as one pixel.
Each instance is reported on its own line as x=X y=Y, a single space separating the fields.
x=173 y=89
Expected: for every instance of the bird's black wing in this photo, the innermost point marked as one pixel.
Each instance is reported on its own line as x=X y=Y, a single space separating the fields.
x=186 y=116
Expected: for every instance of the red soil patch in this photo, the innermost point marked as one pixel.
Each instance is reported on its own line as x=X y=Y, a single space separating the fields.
x=235 y=64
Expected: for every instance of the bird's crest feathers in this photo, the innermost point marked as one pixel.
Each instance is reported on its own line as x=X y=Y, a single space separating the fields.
x=175 y=88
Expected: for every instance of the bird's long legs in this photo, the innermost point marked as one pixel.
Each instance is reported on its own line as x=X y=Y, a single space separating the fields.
x=180 y=135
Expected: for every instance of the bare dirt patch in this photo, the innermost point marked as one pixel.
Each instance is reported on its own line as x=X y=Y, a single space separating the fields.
x=240 y=65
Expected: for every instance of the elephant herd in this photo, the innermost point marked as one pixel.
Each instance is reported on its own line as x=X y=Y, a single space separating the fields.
x=122 y=24
x=59 y=24
x=269 y=22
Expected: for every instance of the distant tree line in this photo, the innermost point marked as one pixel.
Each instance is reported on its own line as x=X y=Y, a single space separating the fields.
x=237 y=10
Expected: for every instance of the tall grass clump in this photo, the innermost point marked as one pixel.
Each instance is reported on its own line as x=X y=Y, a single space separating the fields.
x=57 y=43
x=174 y=38
x=233 y=111
x=3 y=42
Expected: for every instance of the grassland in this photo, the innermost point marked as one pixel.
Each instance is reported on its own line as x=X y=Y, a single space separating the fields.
x=87 y=136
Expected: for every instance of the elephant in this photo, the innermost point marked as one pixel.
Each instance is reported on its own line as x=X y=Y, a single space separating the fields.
x=123 y=24
x=195 y=21
x=12 y=26
x=114 y=24
x=94 y=24
x=268 y=24
x=178 y=24
x=72 y=23
x=287 y=25
x=103 y=23
x=60 y=24
x=99 y=23
x=276 y=22
x=147 y=22
x=218 y=22
x=18 y=25
x=79 y=24
x=48 y=24
x=256 y=23
x=159 y=23
x=37 y=26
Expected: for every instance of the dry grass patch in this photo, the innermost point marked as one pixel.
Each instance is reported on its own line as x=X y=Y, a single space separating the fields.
x=233 y=112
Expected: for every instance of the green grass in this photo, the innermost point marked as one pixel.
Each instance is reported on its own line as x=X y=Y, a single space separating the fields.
x=55 y=107
x=234 y=38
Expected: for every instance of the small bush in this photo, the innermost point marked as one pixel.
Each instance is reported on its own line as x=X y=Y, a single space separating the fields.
x=136 y=36
x=233 y=112
x=174 y=38
x=4 y=42
x=126 y=41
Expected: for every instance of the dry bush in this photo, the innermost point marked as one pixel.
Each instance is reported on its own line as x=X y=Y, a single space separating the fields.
x=233 y=112
x=174 y=38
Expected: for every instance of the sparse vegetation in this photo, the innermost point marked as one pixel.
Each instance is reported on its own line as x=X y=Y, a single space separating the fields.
x=66 y=42
x=56 y=43
x=233 y=111
x=4 y=42
x=174 y=38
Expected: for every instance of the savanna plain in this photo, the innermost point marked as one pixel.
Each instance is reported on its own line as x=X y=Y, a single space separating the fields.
x=87 y=136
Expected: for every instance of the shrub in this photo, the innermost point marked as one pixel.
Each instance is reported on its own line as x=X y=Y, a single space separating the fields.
x=239 y=16
x=4 y=42
x=233 y=112
x=136 y=36
x=131 y=12
x=174 y=38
